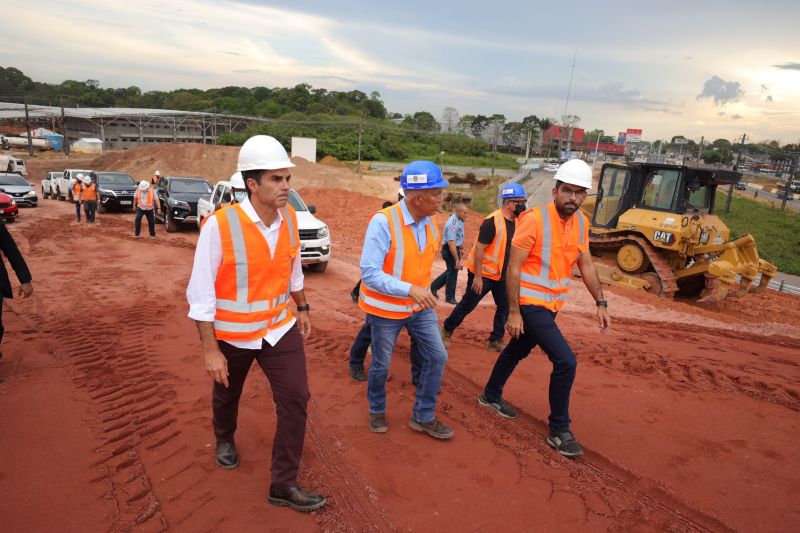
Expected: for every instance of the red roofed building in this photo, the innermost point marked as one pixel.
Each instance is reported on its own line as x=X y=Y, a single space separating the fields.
x=555 y=134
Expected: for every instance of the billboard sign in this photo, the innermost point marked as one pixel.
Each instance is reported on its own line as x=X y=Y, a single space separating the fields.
x=633 y=135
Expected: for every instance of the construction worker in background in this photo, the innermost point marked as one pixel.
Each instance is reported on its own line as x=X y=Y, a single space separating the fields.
x=87 y=195
x=145 y=203
x=549 y=240
x=238 y=190
x=246 y=265
x=74 y=187
x=396 y=260
x=490 y=254
x=155 y=178
x=451 y=253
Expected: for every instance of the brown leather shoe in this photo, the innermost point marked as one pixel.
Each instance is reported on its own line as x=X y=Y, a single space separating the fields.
x=296 y=498
x=377 y=423
x=434 y=428
x=446 y=337
x=495 y=346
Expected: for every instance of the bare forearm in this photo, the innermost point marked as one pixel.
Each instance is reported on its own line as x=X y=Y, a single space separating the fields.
x=512 y=287
x=207 y=337
x=299 y=297
x=591 y=279
x=453 y=250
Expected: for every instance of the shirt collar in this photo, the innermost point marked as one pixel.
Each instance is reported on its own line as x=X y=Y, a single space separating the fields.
x=408 y=220
x=250 y=211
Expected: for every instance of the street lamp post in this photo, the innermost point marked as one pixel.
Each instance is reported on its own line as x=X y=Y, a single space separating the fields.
x=596 y=146
x=441 y=159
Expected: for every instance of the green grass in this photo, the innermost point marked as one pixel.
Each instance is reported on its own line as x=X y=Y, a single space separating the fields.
x=506 y=161
x=777 y=233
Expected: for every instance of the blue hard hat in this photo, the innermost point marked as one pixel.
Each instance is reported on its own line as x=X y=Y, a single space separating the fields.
x=512 y=190
x=422 y=175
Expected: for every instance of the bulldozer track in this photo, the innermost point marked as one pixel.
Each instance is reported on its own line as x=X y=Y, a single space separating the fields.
x=669 y=281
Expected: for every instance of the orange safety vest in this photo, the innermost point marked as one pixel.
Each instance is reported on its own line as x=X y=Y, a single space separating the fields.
x=545 y=275
x=252 y=285
x=145 y=200
x=494 y=256
x=404 y=262
x=88 y=192
x=76 y=185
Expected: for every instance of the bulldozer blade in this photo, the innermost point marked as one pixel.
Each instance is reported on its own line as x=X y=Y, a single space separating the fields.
x=714 y=291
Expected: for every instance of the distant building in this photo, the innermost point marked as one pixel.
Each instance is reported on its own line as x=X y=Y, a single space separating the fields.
x=556 y=137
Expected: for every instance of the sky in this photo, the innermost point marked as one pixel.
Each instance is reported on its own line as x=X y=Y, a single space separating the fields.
x=712 y=69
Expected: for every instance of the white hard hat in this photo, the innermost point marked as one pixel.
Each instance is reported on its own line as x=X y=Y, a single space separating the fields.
x=263 y=152
x=400 y=193
x=87 y=179
x=144 y=185
x=236 y=181
x=158 y=173
x=575 y=172
x=79 y=177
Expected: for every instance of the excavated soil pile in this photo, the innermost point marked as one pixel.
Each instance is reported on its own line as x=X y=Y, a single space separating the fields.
x=689 y=414
x=331 y=161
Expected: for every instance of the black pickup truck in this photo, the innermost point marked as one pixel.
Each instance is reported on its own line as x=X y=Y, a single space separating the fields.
x=178 y=196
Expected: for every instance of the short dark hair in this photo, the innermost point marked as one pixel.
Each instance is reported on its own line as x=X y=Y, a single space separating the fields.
x=255 y=175
x=387 y=204
x=558 y=184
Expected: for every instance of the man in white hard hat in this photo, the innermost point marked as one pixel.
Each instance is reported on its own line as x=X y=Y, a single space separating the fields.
x=74 y=187
x=145 y=203
x=243 y=313
x=155 y=178
x=87 y=196
x=548 y=241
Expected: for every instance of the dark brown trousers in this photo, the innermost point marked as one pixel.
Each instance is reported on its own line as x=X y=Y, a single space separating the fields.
x=285 y=367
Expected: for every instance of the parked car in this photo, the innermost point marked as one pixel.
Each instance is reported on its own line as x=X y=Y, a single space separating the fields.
x=178 y=196
x=783 y=193
x=742 y=185
x=19 y=189
x=315 y=239
x=115 y=190
x=794 y=185
x=49 y=185
x=551 y=167
x=65 y=182
x=8 y=208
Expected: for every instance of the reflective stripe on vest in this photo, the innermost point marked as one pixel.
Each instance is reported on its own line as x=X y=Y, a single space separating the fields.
x=145 y=200
x=257 y=316
x=543 y=278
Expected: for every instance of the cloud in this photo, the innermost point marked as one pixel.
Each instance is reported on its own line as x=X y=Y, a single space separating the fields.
x=737 y=116
x=769 y=98
x=789 y=65
x=721 y=91
x=721 y=113
x=229 y=53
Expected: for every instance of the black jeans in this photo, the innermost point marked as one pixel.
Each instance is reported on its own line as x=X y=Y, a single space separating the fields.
x=449 y=277
x=78 y=210
x=540 y=330
x=2 y=328
x=151 y=221
x=90 y=208
x=358 y=352
x=470 y=301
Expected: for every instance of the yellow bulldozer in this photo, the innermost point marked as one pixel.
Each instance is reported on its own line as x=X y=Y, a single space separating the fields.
x=656 y=225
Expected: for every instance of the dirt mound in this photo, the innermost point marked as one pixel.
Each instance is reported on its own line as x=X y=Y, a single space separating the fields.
x=331 y=161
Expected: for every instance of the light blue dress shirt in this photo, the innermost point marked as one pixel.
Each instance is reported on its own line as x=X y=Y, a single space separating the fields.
x=454 y=230
x=377 y=242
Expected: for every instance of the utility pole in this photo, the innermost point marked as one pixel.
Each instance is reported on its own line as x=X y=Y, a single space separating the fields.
x=700 y=150
x=360 y=130
x=787 y=189
x=735 y=169
x=28 y=127
x=64 y=126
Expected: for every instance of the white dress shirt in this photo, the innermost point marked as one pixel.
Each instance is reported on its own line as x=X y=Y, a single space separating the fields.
x=207 y=259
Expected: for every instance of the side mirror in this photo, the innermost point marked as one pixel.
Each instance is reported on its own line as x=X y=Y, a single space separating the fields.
x=312 y=209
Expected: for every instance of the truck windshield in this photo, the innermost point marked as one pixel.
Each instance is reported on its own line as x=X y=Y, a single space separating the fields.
x=190 y=186
x=109 y=178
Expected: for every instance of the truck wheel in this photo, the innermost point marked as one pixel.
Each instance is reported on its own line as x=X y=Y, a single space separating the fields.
x=318 y=267
x=44 y=194
x=169 y=223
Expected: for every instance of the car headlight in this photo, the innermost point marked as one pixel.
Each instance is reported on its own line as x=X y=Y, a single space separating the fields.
x=322 y=232
x=13 y=202
x=107 y=191
x=30 y=193
x=178 y=203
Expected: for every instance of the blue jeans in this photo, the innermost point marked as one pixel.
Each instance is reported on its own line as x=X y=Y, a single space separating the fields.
x=423 y=327
x=358 y=352
x=540 y=329
x=470 y=301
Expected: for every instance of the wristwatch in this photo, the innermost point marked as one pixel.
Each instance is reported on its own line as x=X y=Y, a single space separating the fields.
x=305 y=307
x=600 y=303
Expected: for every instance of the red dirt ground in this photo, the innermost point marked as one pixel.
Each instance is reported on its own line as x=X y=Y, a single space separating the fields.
x=688 y=413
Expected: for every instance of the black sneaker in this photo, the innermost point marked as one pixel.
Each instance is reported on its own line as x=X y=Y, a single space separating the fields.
x=502 y=407
x=357 y=373
x=564 y=443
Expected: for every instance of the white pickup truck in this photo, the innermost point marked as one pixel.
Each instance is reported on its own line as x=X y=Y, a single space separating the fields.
x=62 y=187
x=49 y=184
x=315 y=239
x=14 y=165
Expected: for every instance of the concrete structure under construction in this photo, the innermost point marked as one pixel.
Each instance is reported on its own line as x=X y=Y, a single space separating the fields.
x=121 y=127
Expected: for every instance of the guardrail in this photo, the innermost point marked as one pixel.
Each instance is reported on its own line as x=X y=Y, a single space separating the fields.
x=782 y=286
